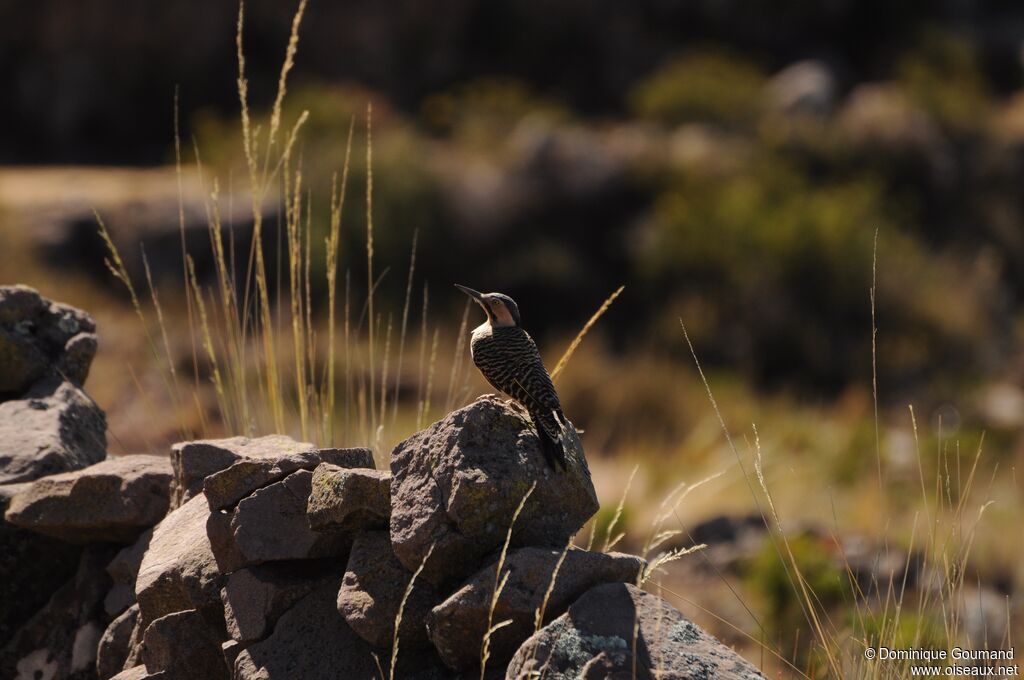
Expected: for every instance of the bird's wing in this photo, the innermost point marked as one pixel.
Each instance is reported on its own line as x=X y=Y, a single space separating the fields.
x=525 y=376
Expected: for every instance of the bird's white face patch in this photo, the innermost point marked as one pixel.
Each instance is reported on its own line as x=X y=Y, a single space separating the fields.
x=502 y=317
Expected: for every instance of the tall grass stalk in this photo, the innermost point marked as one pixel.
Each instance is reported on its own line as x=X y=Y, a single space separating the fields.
x=500 y=580
x=564 y=360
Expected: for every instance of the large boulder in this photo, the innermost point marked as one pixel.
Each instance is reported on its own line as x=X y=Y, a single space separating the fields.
x=179 y=571
x=456 y=485
x=310 y=641
x=194 y=461
x=54 y=428
x=457 y=626
x=226 y=488
x=270 y=525
x=61 y=639
x=372 y=590
x=116 y=643
x=255 y=597
x=32 y=568
x=40 y=338
x=349 y=499
x=183 y=646
x=620 y=631
x=112 y=501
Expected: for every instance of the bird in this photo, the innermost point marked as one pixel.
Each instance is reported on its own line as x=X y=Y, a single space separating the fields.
x=508 y=358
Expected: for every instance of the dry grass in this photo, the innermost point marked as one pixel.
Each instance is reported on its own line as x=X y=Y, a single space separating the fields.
x=401 y=610
x=500 y=580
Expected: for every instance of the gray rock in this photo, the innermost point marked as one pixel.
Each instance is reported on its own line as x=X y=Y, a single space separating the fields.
x=225 y=488
x=54 y=428
x=595 y=639
x=456 y=485
x=271 y=525
x=113 y=501
x=40 y=338
x=123 y=571
x=178 y=571
x=310 y=641
x=255 y=597
x=230 y=651
x=61 y=639
x=372 y=592
x=116 y=644
x=137 y=673
x=183 y=646
x=349 y=499
x=32 y=568
x=457 y=625
x=220 y=534
x=194 y=461
x=134 y=657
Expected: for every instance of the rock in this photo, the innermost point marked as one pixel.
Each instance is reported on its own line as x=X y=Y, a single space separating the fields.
x=61 y=639
x=116 y=644
x=372 y=592
x=137 y=673
x=271 y=525
x=183 y=646
x=194 y=461
x=983 y=615
x=457 y=626
x=113 y=501
x=230 y=651
x=874 y=565
x=32 y=568
x=225 y=488
x=732 y=540
x=178 y=571
x=595 y=639
x=310 y=641
x=54 y=428
x=803 y=88
x=349 y=500
x=255 y=597
x=40 y=338
x=456 y=485
x=123 y=571
x=135 y=644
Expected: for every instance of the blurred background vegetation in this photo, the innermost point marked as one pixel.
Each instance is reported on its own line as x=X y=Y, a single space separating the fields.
x=736 y=165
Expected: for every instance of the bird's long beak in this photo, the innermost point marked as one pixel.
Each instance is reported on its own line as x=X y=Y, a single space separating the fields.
x=476 y=295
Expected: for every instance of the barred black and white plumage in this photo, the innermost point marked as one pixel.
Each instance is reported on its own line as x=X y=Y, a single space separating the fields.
x=509 y=360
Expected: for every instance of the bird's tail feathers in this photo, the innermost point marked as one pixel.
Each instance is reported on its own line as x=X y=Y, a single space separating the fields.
x=552 y=449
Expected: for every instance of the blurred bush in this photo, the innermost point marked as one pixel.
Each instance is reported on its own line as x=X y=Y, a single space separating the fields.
x=942 y=74
x=700 y=85
x=774 y=574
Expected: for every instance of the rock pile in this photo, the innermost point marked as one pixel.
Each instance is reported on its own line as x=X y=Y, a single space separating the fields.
x=273 y=559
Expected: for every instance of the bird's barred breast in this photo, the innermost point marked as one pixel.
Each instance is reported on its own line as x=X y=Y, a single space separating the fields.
x=509 y=360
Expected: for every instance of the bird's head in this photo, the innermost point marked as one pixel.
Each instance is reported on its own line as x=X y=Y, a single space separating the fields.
x=501 y=310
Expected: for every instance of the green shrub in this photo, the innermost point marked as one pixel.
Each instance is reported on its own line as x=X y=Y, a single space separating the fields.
x=708 y=84
x=775 y=580
x=482 y=112
x=943 y=76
